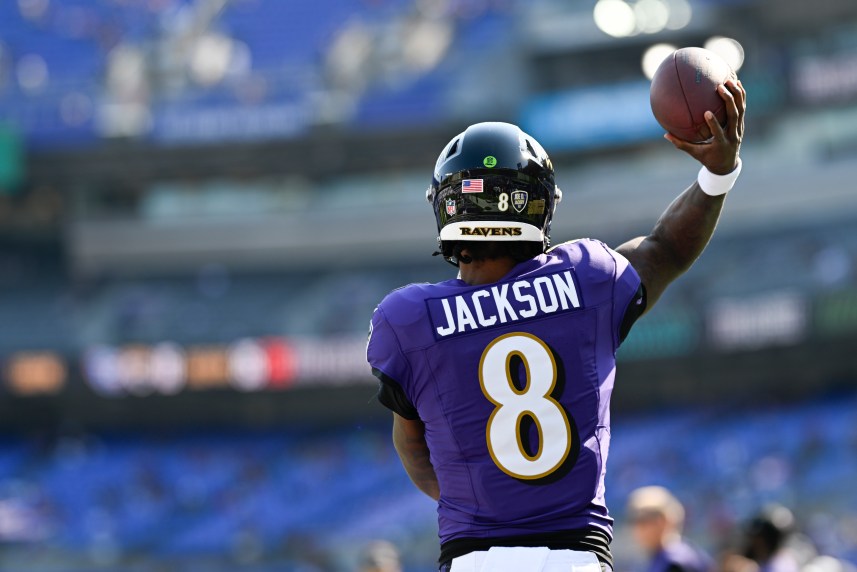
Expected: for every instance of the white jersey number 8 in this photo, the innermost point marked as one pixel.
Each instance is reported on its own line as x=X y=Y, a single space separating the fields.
x=513 y=405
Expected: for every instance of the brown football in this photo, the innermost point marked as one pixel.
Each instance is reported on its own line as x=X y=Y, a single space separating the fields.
x=684 y=87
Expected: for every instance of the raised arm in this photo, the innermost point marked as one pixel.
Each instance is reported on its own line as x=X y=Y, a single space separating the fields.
x=410 y=442
x=684 y=229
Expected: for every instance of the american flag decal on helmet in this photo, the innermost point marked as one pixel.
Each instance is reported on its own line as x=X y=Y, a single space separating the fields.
x=471 y=186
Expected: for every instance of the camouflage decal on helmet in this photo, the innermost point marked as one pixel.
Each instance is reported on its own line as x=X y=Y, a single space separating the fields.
x=536 y=207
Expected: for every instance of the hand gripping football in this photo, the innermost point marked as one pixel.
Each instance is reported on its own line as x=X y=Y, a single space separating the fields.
x=684 y=87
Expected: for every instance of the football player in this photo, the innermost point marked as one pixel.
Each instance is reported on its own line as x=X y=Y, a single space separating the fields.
x=500 y=379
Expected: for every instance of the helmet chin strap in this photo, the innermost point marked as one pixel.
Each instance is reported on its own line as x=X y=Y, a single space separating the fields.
x=452 y=260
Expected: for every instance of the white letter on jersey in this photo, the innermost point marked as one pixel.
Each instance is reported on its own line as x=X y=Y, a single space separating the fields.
x=566 y=289
x=502 y=303
x=517 y=286
x=479 y=315
x=546 y=289
x=465 y=317
x=450 y=321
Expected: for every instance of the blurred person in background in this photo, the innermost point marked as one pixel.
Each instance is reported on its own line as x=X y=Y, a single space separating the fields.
x=828 y=564
x=657 y=520
x=380 y=556
x=500 y=380
x=765 y=544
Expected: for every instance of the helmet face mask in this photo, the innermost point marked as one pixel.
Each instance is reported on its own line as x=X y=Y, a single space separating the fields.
x=493 y=182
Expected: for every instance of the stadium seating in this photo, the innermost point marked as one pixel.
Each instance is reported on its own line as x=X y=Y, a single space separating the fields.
x=286 y=46
x=196 y=495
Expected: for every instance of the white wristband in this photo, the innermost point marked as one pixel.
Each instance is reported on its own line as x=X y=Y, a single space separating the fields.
x=716 y=185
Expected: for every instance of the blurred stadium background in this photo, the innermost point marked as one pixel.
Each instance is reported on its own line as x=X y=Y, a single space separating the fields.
x=201 y=201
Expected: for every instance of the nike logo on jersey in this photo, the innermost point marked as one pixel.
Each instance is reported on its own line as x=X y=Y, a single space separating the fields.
x=504 y=303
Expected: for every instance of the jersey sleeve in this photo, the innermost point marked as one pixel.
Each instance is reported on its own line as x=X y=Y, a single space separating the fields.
x=629 y=296
x=389 y=365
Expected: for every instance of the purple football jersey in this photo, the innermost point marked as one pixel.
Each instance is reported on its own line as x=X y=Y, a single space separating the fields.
x=512 y=381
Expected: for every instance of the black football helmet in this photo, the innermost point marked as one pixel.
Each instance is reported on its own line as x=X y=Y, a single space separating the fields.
x=493 y=182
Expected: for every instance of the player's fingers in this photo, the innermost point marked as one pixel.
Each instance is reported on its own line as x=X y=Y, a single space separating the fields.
x=681 y=144
x=738 y=94
x=716 y=130
x=729 y=93
x=742 y=108
x=695 y=150
x=743 y=93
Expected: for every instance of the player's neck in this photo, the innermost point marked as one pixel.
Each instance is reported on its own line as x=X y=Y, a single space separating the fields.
x=481 y=272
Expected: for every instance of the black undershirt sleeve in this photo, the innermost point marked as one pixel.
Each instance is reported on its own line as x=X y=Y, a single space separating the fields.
x=634 y=310
x=392 y=396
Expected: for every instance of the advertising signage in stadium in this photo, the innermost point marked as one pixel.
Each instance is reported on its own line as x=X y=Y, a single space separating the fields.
x=246 y=365
x=168 y=368
x=769 y=319
x=773 y=318
x=35 y=373
x=820 y=79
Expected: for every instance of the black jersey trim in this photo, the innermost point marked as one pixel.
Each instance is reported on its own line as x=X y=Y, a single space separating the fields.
x=590 y=539
x=392 y=396
x=636 y=308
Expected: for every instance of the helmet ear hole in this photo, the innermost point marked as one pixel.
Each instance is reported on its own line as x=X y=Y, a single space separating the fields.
x=430 y=195
x=557 y=195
